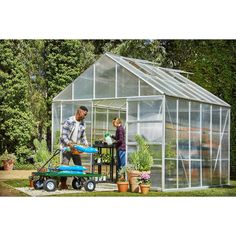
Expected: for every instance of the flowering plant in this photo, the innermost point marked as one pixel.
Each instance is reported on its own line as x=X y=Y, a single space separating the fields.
x=144 y=178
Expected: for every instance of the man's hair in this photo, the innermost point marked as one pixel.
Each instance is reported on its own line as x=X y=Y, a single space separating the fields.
x=83 y=108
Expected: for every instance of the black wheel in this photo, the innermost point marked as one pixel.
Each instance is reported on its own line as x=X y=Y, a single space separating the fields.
x=76 y=183
x=50 y=185
x=89 y=185
x=38 y=184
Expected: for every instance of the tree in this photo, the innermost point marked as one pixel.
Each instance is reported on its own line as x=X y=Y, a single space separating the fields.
x=64 y=61
x=17 y=121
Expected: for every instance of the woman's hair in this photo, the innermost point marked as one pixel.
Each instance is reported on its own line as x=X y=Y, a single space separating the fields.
x=118 y=120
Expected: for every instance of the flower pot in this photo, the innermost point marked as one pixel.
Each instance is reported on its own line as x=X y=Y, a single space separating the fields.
x=145 y=188
x=133 y=181
x=8 y=164
x=123 y=186
x=31 y=183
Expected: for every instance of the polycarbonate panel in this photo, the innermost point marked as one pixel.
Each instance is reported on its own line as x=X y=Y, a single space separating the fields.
x=215 y=119
x=195 y=131
x=170 y=131
x=100 y=123
x=195 y=116
x=224 y=120
x=195 y=174
x=198 y=89
x=127 y=83
x=66 y=94
x=225 y=171
x=170 y=174
x=183 y=174
x=215 y=145
x=132 y=111
x=195 y=145
x=170 y=113
x=184 y=115
x=132 y=131
x=83 y=86
x=104 y=78
x=183 y=145
x=206 y=173
x=123 y=117
x=156 y=151
x=150 y=110
x=225 y=146
x=215 y=172
x=156 y=176
x=171 y=142
x=68 y=110
x=130 y=150
x=152 y=132
x=147 y=90
x=205 y=118
x=56 y=124
x=206 y=146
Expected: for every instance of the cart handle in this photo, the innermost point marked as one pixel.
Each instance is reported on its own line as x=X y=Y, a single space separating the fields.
x=57 y=151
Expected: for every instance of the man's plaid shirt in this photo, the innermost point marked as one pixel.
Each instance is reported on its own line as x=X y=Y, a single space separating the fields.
x=67 y=131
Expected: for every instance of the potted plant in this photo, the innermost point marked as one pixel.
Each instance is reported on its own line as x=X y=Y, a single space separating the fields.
x=122 y=183
x=144 y=181
x=8 y=160
x=31 y=181
x=140 y=161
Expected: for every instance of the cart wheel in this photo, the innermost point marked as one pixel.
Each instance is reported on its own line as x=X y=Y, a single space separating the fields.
x=76 y=184
x=38 y=184
x=50 y=185
x=89 y=185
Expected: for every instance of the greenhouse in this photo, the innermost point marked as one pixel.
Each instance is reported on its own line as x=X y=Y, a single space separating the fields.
x=187 y=127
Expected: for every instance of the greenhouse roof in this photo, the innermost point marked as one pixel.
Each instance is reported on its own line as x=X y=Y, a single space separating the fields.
x=164 y=81
x=167 y=81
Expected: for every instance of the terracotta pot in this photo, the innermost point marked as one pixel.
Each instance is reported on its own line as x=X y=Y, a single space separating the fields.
x=133 y=180
x=123 y=186
x=31 y=183
x=145 y=188
x=8 y=164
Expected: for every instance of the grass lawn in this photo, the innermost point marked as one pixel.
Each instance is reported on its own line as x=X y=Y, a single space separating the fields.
x=8 y=187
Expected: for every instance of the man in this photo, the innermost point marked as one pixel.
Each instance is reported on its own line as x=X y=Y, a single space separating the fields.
x=73 y=132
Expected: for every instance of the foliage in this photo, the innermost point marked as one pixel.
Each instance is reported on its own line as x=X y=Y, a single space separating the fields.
x=142 y=159
x=122 y=174
x=144 y=178
x=7 y=156
x=17 y=121
x=41 y=151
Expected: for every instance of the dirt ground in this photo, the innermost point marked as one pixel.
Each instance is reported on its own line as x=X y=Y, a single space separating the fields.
x=15 y=174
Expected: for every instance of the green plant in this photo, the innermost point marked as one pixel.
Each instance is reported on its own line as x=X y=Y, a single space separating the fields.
x=122 y=174
x=142 y=159
x=170 y=153
x=7 y=156
x=41 y=152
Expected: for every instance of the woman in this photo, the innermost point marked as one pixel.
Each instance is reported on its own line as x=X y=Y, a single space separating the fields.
x=119 y=142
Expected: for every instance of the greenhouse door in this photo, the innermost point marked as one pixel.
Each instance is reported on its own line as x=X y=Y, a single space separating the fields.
x=144 y=117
